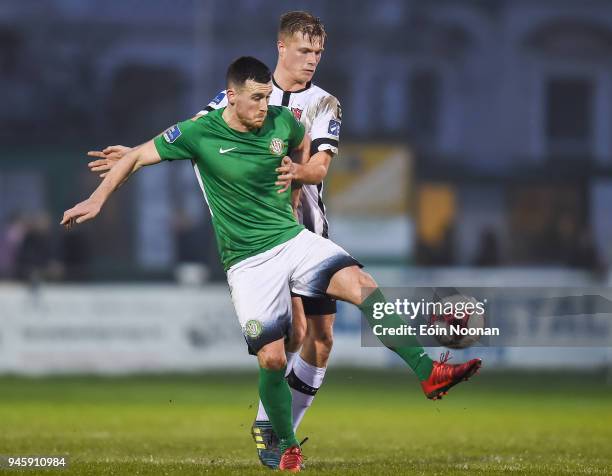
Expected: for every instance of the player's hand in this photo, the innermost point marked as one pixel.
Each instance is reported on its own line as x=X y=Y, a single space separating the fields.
x=106 y=158
x=287 y=172
x=81 y=212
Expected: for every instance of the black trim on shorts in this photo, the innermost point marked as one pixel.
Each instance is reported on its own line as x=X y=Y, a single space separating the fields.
x=317 y=306
x=268 y=335
x=331 y=267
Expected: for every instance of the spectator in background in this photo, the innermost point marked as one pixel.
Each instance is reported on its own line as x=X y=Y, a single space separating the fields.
x=34 y=261
x=584 y=252
x=487 y=253
x=10 y=242
x=75 y=252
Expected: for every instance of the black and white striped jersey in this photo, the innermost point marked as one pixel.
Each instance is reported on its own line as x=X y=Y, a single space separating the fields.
x=321 y=114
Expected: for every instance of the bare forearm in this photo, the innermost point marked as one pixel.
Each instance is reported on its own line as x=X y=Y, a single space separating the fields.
x=120 y=172
x=311 y=174
x=314 y=170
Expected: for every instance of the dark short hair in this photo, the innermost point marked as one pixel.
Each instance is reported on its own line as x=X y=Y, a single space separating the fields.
x=301 y=22
x=245 y=68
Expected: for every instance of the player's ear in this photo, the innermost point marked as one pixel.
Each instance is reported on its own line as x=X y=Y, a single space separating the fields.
x=231 y=95
x=280 y=46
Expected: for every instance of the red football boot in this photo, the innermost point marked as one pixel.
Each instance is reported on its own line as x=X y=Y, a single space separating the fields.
x=291 y=460
x=444 y=376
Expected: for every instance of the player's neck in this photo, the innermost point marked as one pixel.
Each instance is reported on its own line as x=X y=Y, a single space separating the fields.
x=232 y=121
x=286 y=82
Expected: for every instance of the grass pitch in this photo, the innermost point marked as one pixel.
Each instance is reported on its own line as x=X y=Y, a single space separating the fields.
x=361 y=423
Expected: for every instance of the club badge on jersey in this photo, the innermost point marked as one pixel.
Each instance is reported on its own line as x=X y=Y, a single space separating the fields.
x=276 y=146
x=297 y=112
x=172 y=133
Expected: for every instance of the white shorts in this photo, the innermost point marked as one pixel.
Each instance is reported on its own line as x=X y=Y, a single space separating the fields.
x=261 y=285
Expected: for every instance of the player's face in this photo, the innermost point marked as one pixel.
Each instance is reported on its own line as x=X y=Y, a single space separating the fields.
x=300 y=55
x=251 y=103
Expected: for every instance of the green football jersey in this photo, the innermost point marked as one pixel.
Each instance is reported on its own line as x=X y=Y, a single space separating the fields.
x=236 y=172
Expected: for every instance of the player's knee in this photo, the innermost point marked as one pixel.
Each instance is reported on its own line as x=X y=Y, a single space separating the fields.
x=273 y=361
x=366 y=281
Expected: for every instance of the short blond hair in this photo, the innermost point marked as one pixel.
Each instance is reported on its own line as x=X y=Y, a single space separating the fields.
x=301 y=22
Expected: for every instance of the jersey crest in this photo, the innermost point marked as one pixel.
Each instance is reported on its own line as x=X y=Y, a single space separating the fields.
x=276 y=146
x=297 y=112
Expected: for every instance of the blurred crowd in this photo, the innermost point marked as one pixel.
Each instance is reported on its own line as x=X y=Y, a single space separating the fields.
x=30 y=251
x=33 y=249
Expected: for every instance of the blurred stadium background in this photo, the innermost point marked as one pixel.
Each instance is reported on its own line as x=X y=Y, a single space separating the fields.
x=476 y=151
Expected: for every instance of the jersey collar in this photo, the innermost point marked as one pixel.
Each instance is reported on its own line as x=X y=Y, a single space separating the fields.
x=308 y=84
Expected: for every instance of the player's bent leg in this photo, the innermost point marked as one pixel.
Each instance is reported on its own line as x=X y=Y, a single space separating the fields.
x=327 y=269
x=354 y=285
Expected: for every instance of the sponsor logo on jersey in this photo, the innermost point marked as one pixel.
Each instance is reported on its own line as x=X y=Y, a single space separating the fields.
x=218 y=98
x=172 y=133
x=297 y=112
x=276 y=146
x=225 y=151
x=253 y=328
x=334 y=127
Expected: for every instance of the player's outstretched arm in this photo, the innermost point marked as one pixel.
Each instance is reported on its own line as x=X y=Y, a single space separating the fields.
x=109 y=156
x=90 y=208
x=106 y=158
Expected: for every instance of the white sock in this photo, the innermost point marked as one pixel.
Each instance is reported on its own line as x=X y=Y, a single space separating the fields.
x=261 y=411
x=305 y=380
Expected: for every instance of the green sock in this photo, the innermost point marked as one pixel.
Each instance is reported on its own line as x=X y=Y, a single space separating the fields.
x=276 y=398
x=410 y=350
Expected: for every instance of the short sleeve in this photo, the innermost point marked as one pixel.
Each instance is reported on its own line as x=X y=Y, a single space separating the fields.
x=297 y=130
x=177 y=142
x=325 y=130
x=219 y=101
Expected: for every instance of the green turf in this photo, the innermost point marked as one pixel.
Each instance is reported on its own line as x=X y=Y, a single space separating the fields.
x=361 y=423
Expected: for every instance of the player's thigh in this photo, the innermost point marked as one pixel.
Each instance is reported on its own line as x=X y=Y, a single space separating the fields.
x=351 y=284
x=262 y=301
x=317 y=260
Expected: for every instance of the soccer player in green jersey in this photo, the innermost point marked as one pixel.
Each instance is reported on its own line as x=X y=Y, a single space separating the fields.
x=266 y=253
